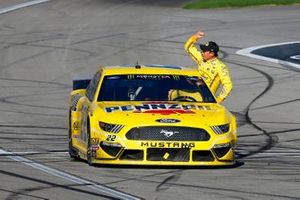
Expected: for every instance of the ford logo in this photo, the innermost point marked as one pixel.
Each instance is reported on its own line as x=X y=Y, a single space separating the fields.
x=167 y=120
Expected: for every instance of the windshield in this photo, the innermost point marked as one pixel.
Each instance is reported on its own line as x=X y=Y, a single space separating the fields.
x=154 y=88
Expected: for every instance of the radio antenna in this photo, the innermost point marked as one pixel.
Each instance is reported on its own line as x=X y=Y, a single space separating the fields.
x=137 y=66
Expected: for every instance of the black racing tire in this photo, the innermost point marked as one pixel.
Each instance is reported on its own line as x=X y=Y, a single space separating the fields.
x=89 y=157
x=73 y=153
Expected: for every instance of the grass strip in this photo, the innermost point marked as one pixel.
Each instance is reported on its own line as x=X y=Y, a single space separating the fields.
x=201 y=4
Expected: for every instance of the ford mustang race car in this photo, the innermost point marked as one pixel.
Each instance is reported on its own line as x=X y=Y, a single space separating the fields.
x=149 y=115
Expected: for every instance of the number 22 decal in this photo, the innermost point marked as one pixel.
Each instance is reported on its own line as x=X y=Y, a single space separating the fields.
x=111 y=138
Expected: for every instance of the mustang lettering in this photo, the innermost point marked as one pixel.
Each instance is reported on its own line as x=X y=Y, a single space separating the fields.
x=168 y=144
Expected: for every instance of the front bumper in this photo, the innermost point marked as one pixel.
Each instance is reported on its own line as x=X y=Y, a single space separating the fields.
x=165 y=153
x=183 y=148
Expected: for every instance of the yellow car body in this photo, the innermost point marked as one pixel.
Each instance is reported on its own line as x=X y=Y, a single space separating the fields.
x=107 y=128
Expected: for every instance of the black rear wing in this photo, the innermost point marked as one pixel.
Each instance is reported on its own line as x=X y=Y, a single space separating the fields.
x=80 y=83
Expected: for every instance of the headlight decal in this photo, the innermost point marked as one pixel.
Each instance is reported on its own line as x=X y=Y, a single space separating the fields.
x=221 y=129
x=117 y=128
x=111 y=128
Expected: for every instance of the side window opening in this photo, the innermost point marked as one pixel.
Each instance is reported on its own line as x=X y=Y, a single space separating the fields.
x=92 y=87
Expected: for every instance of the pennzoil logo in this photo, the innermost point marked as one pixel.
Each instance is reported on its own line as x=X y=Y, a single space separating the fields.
x=168 y=144
x=158 y=108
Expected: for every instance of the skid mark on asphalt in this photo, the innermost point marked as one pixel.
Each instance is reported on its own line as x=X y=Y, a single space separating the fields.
x=265 y=149
x=216 y=190
x=17 y=194
x=56 y=84
x=70 y=187
x=277 y=104
x=6 y=100
x=45 y=91
x=32 y=113
x=165 y=184
x=101 y=190
x=35 y=137
x=37 y=37
x=22 y=126
x=25 y=59
x=271 y=139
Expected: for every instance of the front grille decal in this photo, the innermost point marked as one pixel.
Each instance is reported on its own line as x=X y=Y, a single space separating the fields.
x=167 y=133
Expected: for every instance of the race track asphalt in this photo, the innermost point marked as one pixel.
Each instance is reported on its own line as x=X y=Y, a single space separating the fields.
x=42 y=47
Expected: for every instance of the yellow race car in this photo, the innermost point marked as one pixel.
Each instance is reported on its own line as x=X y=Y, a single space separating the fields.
x=149 y=115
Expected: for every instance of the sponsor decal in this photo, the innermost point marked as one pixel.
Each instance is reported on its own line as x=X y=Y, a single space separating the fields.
x=94 y=141
x=111 y=138
x=158 y=108
x=168 y=144
x=166 y=120
x=76 y=126
x=94 y=148
x=166 y=156
x=153 y=77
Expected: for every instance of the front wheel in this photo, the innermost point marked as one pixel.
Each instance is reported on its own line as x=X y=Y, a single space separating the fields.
x=89 y=156
x=72 y=151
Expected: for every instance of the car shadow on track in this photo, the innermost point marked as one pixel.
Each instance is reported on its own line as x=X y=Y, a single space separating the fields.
x=235 y=165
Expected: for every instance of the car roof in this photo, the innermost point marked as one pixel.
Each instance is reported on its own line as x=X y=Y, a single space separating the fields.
x=149 y=69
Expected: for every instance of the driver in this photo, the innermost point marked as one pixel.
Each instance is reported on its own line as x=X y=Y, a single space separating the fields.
x=185 y=94
x=213 y=71
x=182 y=95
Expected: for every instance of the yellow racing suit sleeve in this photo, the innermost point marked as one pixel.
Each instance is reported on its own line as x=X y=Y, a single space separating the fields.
x=226 y=83
x=193 y=51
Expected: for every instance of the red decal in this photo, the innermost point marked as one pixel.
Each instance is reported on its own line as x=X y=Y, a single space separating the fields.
x=168 y=112
x=94 y=147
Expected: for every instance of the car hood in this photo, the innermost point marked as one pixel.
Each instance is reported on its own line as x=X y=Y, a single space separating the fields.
x=145 y=113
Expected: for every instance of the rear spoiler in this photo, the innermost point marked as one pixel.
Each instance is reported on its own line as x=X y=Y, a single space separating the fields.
x=80 y=83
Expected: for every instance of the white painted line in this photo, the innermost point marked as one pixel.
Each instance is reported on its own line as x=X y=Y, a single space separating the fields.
x=24 y=153
x=99 y=188
x=296 y=57
x=18 y=153
x=22 y=5
x=247 y=52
